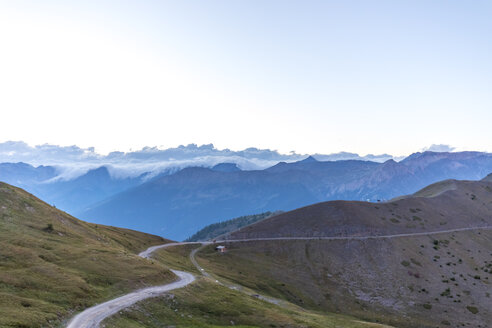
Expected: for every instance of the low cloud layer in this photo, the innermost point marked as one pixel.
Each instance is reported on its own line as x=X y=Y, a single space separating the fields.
x=73 y=161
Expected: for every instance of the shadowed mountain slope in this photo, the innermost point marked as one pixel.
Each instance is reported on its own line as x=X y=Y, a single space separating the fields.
x=226 y=167
x=71 y=195
x=218 y=230
x=179 y=204
x=21 y=174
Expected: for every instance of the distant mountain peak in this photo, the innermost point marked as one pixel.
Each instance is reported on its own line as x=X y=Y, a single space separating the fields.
x=226 y=167
x=309 y=159
x=390 y=163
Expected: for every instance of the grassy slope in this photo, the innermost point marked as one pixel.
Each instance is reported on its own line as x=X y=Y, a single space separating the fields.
x=177 y=257
x=46 y=275
x=207 y=304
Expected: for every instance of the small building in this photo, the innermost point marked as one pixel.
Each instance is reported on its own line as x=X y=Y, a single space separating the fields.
x=221 y=249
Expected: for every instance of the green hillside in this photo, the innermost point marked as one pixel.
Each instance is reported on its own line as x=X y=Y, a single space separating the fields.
x=53 y=265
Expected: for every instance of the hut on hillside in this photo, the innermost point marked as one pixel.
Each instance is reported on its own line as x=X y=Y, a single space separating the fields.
x=221 y=249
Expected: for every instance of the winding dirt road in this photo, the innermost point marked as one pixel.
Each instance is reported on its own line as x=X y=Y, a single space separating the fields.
x=93 y=316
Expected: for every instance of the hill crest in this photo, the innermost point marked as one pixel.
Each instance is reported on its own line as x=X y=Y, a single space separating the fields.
x=446 y=205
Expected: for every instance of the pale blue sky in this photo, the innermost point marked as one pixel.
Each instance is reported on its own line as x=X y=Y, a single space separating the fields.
x=311 y=76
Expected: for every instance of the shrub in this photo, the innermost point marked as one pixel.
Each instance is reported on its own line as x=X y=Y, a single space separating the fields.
x=49 y=228
x=472 y=309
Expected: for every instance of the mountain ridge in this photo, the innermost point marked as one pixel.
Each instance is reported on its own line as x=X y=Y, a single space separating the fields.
x=448 y=208
x=195 y=197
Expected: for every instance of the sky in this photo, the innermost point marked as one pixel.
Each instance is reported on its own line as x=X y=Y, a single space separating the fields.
x=306 y=76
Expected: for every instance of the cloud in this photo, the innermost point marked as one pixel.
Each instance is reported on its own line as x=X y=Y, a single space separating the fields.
x=441 y=148
x=73 y=161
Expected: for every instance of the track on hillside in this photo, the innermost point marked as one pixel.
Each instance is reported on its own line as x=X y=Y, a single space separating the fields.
x=93 y=316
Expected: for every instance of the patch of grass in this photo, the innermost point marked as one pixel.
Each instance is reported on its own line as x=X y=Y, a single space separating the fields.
x=472 y=309
x=177 y=257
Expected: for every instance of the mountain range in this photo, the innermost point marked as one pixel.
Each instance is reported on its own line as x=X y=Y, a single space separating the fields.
x=72 y=161
x=176 y=202
x=179 y=204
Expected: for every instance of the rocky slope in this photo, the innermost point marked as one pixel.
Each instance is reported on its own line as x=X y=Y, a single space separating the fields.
x=429 y=279
x=445 y=205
